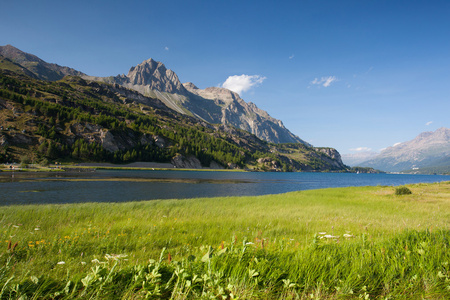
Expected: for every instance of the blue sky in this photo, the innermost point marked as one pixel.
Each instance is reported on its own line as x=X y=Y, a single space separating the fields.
x=360 y=74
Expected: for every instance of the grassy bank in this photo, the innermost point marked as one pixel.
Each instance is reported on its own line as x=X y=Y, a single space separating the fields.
x=363 y=242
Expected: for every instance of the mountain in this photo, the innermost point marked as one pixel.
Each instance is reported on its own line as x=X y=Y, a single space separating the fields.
x=230 y=109
x=214 y=105
x=427 y=150
x=78 y=120
x=116 y=119
x=8 y=64
x=33 y=64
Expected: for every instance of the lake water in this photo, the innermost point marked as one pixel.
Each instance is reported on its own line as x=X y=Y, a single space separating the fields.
x=131 y=185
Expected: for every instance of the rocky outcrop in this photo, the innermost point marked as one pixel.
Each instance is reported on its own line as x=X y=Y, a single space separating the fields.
x=109 y=140
x=269 y=164
x=3 y=140
x=334 y=157
x=214 y=165
x=331 y=152
x=189 y=162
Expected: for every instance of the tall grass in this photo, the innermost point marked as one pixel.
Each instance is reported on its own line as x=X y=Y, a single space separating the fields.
x=413 y=265
x=324 y=244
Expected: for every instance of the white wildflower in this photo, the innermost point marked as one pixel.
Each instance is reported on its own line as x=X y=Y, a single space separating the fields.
x=329 y=236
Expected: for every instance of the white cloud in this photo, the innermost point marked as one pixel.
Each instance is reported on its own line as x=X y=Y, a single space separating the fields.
x=292 y=56
x=242 y=83
x=166 y=48
x=324 y=81
x=396 y=144
x=429 y=123
x=359 y=149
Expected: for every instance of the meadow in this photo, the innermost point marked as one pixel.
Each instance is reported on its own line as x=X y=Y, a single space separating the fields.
x=340 y=243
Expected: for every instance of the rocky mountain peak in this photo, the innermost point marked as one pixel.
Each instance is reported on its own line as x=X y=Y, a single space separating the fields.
x=155 y=75
x=190 y=86
x=215 y=105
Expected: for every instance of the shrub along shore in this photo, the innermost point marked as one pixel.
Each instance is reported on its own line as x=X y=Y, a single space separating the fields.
x=346 y=243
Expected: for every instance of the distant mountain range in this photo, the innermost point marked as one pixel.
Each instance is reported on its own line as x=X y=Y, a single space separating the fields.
x=429 y=150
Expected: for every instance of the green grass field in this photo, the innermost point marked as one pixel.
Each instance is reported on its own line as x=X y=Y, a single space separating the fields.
x=344 y=243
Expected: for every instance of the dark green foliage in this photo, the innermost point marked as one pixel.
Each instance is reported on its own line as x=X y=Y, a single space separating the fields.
x=402 y=190
x=57 y=106
x=186 y=139
x=365 y=170
x=5 y=155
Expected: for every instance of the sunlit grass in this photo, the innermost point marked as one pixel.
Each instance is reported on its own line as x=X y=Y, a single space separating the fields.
x=295 y=231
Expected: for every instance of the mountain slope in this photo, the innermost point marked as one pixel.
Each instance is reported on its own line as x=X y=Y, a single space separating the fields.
x=230 y=109
x=79 y=120
x=41 y=69
x=428 y=149
x=214 y=105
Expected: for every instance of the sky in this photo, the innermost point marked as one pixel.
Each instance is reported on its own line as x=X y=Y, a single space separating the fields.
x=357 y=75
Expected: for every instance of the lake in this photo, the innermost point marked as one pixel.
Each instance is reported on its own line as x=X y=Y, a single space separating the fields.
x=135 y=185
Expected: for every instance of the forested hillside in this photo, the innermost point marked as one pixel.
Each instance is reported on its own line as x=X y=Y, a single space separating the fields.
x=78 y=120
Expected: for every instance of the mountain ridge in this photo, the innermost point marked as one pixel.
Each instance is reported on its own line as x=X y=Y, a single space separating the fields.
x=74 y=119
x=151 y=78
x=422 y=151
x=40 y=68
x=213 y=104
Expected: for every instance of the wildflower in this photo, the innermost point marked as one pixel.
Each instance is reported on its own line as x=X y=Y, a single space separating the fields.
x=329 y=236
x=37 y=228
x=61 y=263
x=346 y=235
x=115 y=256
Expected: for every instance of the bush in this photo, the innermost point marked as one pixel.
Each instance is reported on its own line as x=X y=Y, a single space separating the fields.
x=24 y=161
x=402 y=190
